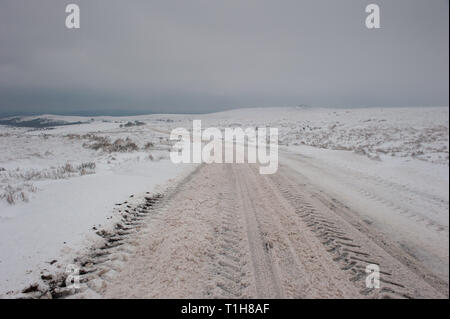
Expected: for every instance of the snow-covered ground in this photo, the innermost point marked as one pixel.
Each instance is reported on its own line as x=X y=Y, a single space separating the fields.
x=57 y=189
x=59 y=185
x=390 y=165
x=404 y=199
x=420 y=133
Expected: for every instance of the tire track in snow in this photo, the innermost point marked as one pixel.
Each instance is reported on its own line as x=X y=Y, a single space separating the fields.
x=345 y=238
x=228 y=232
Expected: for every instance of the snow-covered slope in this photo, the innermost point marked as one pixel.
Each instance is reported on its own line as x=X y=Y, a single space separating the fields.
x=58 y=182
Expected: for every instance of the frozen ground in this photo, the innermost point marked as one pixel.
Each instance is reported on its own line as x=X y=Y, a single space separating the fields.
x=257 y=236
x=419 y=133
x=406 y=200
x=56 y=191
x=379 y=175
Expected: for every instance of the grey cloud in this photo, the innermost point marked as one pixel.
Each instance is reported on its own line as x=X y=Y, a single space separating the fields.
x=201 y=55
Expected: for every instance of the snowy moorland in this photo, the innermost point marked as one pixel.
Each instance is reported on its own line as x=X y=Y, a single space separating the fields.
x=419 y=133
x=59 y=186
x=60 y=183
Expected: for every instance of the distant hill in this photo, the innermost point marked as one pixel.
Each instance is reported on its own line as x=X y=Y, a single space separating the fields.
x=35 y=122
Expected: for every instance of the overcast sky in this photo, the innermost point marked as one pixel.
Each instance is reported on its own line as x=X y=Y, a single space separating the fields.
x=132 y=56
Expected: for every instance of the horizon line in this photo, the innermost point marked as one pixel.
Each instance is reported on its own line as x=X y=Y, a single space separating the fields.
x=123 y=113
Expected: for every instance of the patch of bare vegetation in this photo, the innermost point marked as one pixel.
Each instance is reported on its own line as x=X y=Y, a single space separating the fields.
x=105 y=144
x=14 y=194
x=16 y=184
x=123 y=145
x=60 y=172
x=425 y=143
x=149 y=146
x=130 y=124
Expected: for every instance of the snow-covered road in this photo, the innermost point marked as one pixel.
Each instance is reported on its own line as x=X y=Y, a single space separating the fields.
x=404 y=201
x=228 y=231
